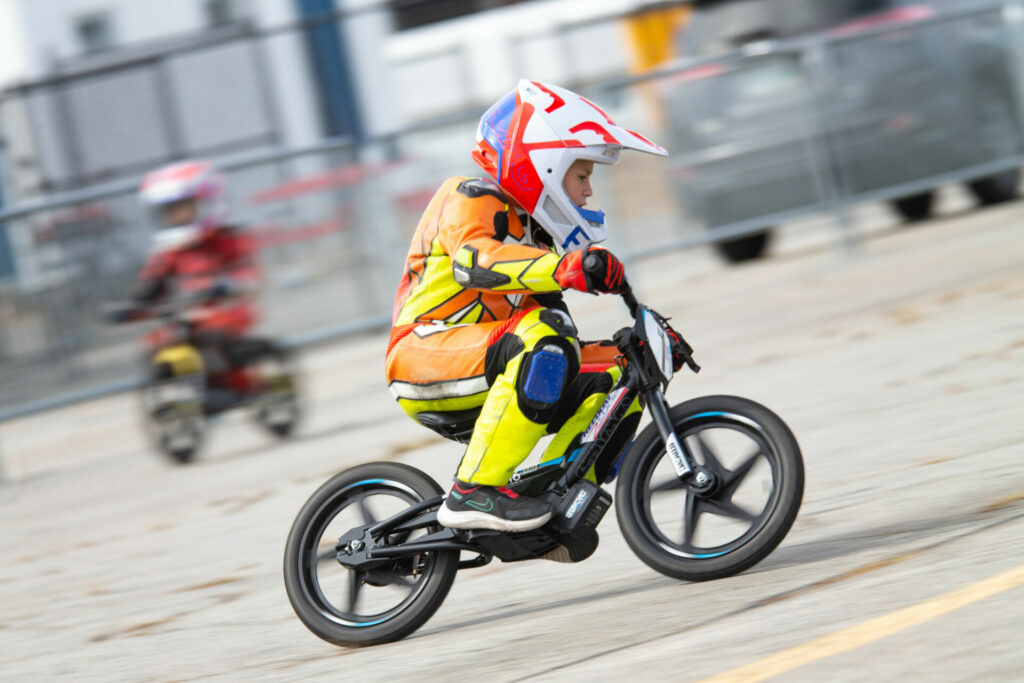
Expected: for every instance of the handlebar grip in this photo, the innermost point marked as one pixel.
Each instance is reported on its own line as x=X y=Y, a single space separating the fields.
x=592 y=263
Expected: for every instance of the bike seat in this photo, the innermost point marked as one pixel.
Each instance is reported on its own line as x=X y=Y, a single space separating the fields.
x=456 y=425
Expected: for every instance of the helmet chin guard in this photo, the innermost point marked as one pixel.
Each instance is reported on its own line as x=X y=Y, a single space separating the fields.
x=171 y=239
x=528 y=140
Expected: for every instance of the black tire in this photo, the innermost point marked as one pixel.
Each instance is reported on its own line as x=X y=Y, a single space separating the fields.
x=995 y=189
x=168 y=432
x=283 y=390
x=746 y=248
x=165 y=423
x=305 y=557
x=181 y=456
x=738 y=420
x=916 y=207
x=280 y=418
x=281 y=430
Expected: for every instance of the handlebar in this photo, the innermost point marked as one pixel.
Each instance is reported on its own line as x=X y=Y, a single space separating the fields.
x=130 y=312
x=134 y=311
x=627 y=296
x=592 y=265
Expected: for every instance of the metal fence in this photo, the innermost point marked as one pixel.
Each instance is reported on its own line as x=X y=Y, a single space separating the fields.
x=97 y=121
x=756 y=139
x=245 y=86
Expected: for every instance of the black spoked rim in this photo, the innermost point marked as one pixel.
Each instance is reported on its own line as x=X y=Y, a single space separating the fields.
x=341 y=594
x=661 y=488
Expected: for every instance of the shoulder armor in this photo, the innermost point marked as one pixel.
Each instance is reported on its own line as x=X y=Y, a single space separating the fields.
x=478 y=187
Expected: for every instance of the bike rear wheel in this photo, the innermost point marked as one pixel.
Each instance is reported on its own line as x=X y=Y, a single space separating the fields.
x=709 y=532
x=278 y=409
x=348 y=607
x=172 y=414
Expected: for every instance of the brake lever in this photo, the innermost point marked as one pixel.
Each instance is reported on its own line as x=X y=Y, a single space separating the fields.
x=687 y=354
x=690 y=363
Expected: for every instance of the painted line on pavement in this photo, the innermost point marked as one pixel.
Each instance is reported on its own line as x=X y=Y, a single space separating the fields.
x=869 y=631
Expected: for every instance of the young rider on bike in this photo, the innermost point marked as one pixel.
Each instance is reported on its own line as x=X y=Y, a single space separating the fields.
x=479 y=322
x=196 y=252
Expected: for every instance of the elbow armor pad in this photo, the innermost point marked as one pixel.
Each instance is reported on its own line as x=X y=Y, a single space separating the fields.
x=468 y=274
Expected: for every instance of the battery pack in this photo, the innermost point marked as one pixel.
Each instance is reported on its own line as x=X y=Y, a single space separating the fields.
x=582 y=508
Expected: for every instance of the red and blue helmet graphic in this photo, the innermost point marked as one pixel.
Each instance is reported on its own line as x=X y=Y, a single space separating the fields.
x=528 y=140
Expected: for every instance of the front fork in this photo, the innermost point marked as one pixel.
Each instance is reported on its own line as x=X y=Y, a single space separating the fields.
x=686 y=467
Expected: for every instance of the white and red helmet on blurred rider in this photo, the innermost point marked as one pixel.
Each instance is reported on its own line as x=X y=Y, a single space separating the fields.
x=528 y=140
x=197 y=183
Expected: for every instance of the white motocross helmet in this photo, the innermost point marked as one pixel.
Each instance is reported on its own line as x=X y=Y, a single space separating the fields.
x=528 y=140
x=191 y=183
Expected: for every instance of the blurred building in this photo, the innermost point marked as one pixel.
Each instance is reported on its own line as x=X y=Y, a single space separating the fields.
x=94 y=91
x=98 y=91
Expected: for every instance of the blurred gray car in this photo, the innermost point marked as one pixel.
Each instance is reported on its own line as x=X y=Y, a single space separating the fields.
x=815 y=110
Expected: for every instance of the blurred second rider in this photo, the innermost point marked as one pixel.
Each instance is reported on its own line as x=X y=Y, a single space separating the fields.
x=197 y=252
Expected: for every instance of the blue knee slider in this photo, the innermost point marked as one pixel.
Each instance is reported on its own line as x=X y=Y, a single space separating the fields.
x=545 y=378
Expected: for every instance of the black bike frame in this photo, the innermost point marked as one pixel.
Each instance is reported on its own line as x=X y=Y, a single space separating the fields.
x=636 y=380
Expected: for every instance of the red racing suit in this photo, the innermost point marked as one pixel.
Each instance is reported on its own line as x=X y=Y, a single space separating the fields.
x=224 y=258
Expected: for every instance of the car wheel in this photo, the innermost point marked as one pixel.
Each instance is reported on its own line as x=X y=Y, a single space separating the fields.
x=916 y=207
x=746 y=248
x=994 y=189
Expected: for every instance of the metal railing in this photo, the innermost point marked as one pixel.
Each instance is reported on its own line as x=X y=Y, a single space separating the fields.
x=757 y=138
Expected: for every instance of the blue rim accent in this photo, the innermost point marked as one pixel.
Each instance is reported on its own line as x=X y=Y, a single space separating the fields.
x=715 y=413
x=370 y=481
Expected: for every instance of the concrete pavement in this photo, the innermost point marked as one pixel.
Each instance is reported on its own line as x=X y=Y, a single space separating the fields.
x=900 y=369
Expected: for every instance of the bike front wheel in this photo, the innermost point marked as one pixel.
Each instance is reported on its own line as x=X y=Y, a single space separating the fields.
x=349 y=607
x=750 y=493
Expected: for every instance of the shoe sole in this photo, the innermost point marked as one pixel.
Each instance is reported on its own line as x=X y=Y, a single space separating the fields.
x=482 y=520
x=559 y=554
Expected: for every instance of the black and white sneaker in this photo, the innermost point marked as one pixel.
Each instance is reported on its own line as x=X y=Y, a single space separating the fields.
x=470 y=506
